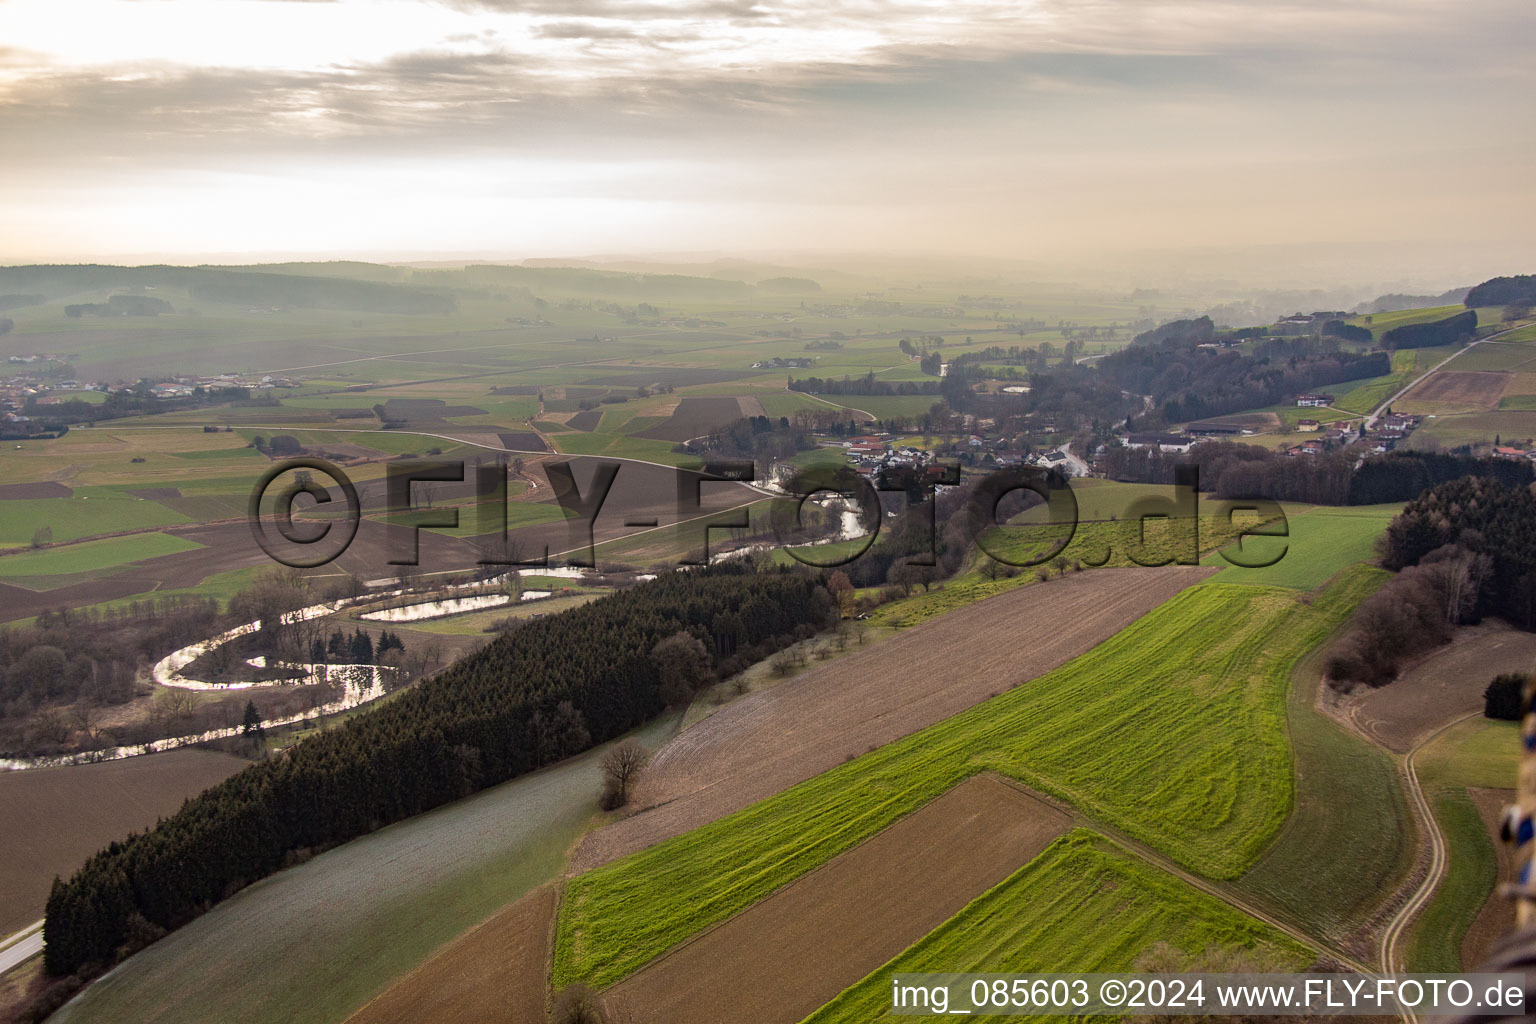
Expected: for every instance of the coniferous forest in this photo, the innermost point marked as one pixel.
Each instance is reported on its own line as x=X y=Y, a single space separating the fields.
x=549 y=689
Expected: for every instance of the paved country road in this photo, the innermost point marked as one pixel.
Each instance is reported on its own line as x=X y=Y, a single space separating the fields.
x=1370 y=421
x=21 y=947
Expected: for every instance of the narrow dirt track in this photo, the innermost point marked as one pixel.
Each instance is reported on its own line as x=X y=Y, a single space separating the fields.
x=780 y=959
x=774 y=739
x=1391 y=958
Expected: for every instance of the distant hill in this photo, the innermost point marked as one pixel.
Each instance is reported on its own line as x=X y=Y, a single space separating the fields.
x=1179 y=333
x=609 y=284
x=1504 y=291
x=229 y=286
x=1393 y=303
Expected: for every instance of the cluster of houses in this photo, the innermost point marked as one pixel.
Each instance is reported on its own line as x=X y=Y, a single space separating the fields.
x=182 y=387
x=1387 y=433
x=873 y=452
x=19 y=389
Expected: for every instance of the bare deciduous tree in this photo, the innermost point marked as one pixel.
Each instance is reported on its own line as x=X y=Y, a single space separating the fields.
x=621 y=765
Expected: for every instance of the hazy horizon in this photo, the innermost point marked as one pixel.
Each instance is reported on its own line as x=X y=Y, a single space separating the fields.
x=1387 y=142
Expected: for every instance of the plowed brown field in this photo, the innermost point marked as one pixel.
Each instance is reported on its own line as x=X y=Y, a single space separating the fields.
x=771 y=740
x=1457 y=391
x=782 y=958
x=492 y=975
x=1445 y=685
x=54 y=818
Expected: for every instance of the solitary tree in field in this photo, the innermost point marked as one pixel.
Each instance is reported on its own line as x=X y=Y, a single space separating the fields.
x=250 y=724
x=621 y=766
x=42 y=535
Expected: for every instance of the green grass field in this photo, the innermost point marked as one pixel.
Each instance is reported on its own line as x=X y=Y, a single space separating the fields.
x=1347 y=845
x=1513 y=426
x=1083 y=905
x=1495 y=355
x=1320 y=543
x=92 y=555
x=1481 y=753
x=1364 y=396
x=82 y=516
x=1173 y=730
x=1101 y=542
x=1381 y=323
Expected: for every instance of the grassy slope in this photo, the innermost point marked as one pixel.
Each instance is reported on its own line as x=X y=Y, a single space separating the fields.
x=1479 y=753
x=1172 y=730
x=1084 y=904
x=1321 y=543
x=313 y=943
x=1345 y=847
x=1096 y=543
x=1381 y=323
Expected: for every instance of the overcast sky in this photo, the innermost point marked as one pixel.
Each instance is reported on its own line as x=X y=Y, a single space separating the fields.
x=513 y=128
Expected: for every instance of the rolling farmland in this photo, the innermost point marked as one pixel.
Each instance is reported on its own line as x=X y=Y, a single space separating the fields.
x=1321 y=542
x=314 y=943
x=782 y=958
x=1196 y=687
x=764 y=744
x=1085 y=904
x=1345 y=850
x=1476 y=753
x=92 y=556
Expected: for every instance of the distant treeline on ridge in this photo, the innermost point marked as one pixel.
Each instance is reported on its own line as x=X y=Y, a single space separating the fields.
x=1248 y=471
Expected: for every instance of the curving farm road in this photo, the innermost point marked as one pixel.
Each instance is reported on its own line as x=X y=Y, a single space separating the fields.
x=1391 y=958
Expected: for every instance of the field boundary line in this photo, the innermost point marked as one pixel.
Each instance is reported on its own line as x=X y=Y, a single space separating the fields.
x=1211 y=888
x=714 y=925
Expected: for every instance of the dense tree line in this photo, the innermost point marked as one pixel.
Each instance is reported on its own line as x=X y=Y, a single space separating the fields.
x=541 y=692
x=1450 y=331
x=1461 y=550
x=1181 y=333
x=1404 y=475
x=865 y=385
x=1486 y=517
x=1412 y=612
x=1234 y=470
x=1347 y=332
x=1187 y=382
x=1503 y=291
x=121 y=305
x=761 y=438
